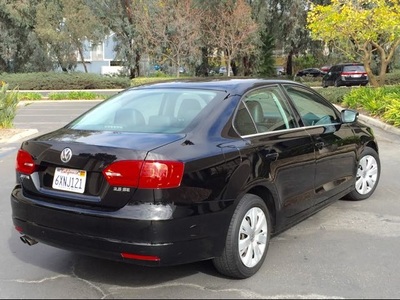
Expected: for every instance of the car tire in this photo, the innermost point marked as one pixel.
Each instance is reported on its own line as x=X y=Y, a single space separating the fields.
x=367 y=178
x=247 y=239
x=337 y=84
x=324 y=84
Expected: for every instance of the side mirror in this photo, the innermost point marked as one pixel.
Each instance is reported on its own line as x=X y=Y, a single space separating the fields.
x=349 y=116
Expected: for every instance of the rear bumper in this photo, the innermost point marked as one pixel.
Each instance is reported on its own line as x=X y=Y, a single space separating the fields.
x=186 y=236
x=352 y=81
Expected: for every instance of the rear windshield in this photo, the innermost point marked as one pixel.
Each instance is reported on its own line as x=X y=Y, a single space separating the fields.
x=353 y=69
x=148 y=110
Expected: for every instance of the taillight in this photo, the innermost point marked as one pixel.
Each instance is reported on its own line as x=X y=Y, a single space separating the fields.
x=145 y=174
x=123 y=173
x=161 y=174
x=25 y=163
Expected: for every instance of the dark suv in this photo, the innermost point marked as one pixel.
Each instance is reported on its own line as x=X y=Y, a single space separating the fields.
x=347 y=74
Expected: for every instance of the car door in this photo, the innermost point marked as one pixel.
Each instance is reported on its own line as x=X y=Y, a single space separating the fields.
x=276 y=149
x=334 y=142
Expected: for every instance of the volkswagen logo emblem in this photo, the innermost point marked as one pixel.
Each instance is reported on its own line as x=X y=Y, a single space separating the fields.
x=66 y=155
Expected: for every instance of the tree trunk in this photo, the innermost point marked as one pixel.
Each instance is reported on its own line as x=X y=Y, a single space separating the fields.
x=131 y=72
x=203 y=70
x=228 y=66
x=246 y=66
x=82 y=59
x=289 y=63
x=137 y=63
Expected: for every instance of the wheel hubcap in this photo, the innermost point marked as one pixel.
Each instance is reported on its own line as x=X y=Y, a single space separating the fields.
x=253 y=237
x=367 y=174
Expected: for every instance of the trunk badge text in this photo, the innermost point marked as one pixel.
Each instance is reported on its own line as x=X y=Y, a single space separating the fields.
x=66 y=155
x=121 y=189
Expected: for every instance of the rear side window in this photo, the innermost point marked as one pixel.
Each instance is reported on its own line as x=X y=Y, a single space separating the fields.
x=147 y=110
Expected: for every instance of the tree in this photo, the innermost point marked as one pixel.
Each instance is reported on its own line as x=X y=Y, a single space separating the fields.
x=363 y=29
x=20 y=49
x=231 y=29
x=267 y=62
x=65 y=25
x=124 y=19
x=173 y=30
x=286 y=21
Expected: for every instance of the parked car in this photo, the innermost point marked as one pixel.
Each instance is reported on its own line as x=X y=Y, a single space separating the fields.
x=325 y=69
x=184 y=171
x=224 y=71
x=346 y=74
x=280 y=70
x=312 y=72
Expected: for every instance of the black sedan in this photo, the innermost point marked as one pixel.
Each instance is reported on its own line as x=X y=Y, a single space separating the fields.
x=311 y=72
x=178 y=172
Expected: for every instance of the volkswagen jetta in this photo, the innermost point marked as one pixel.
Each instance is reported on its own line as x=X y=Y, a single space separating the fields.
x=178 y=172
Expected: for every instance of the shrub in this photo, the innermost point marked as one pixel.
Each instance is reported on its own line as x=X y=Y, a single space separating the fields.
x=392 y=113
x=64 y=81
x=334 y=95
x=393 y=78
x=144 y=80
x=372 y=100
x=8 y=106
x=383 y=102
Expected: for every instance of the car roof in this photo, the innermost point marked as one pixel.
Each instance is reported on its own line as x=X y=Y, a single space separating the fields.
x=236 y=85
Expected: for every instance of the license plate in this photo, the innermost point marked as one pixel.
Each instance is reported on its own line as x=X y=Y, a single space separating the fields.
x=356 y=76
x=70 y=180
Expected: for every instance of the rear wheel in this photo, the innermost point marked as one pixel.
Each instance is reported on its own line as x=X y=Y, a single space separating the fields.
x=247 y=240
x=337 y=83
x=368 y=173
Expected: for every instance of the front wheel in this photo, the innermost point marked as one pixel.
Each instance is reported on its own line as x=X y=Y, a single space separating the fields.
x=247 y=239
x=368 y=173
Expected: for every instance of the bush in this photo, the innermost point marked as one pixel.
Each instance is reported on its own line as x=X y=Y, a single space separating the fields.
x=63 y=81
x=144 y=80
x=382 y=102
x=8 y=106
x=393 y=78
x=334 y=95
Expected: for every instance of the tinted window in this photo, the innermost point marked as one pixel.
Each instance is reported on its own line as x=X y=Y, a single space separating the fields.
x=147 y=110
x=313 y=109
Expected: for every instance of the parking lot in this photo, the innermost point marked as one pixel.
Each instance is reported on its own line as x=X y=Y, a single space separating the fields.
x=348 y=250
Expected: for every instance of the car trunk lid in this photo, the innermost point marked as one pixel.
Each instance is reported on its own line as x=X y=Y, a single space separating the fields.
x=81 y=179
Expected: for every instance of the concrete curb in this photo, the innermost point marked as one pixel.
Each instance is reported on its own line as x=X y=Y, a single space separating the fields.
x=20 y=135
x=380 y=124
